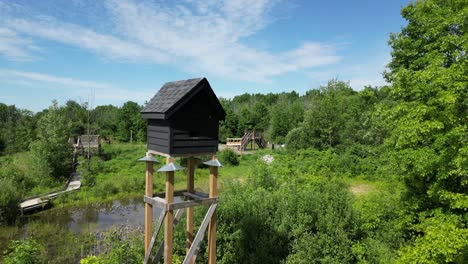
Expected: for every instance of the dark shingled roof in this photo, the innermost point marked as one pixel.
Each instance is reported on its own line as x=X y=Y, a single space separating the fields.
x=173 y=95
x=169 y=95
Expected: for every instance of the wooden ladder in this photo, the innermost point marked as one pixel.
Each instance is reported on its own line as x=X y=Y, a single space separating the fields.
x=245 y=140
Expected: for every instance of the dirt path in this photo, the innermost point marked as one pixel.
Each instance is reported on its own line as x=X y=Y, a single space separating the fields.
x=361 y=189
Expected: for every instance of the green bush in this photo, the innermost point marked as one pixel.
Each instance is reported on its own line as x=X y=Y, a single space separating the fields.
x=92 y=260
x=25 y=252
x=90 y=169
x=228 y=157
x=297 y=139
x=9 y=201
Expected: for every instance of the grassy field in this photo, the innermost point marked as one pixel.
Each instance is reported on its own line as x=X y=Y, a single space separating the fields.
x=118 y=174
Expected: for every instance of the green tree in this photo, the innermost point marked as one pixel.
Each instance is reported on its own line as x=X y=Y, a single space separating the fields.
x=131 y=125
x=428 y=120
x=16 y=129
x=333 y=115
x=284 y=117
x=78 y=115
x=229 y=127
x=106 y=118
x=444 y=240
x=51 y=153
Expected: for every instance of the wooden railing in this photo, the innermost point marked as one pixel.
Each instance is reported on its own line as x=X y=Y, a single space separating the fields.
x=249 y=136
x=233 y=141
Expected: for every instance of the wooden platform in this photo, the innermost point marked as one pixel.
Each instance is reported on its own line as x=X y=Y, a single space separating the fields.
x=241 y=144
x=40 y=201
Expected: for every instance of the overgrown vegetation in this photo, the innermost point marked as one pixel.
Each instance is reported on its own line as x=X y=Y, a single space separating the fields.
x=371 y=176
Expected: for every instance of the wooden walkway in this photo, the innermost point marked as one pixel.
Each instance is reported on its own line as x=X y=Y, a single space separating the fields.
x=39 y=201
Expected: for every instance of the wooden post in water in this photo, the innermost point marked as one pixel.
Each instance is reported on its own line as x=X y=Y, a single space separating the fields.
x=168 y=224
x=148 y=207
x=190 y=189
x=212 y=227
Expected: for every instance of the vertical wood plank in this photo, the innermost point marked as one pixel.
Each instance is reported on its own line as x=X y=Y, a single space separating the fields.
x=190 y=214
x=212 y=226
x=168 y=224
x=148 y=207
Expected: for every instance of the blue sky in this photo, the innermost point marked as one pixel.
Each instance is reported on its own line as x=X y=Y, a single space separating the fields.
x=114 y=51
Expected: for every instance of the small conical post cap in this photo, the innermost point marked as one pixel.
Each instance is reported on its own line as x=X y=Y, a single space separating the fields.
x=170 y=167
x=213 y=163
x=149 y=158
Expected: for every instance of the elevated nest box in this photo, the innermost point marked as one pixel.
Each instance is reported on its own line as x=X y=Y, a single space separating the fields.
x=183 y=118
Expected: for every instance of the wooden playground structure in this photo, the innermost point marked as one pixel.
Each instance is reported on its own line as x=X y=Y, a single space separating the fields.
x=250 y=137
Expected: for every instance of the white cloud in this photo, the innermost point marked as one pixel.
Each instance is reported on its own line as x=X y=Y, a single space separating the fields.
x=205 y=37
x=102 y=44
x=358 y=75
x=16 y=47
x=102 y=92
x=66 y=82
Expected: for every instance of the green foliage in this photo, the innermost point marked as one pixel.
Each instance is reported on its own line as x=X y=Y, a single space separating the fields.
x=131 y=126
x=9 y=200
x=25 y=252
x=297 y=139
x=78 y=115
x=259 y=226
x=122 y=247
x=92 y=260
x=89 y=170
x=427 y=121
x=123 y=250
x=272 y=113
x=106 y=120
x=16 y=129
x=229 y=157
x=284 y=117
x=51 y=152
x=443 y=238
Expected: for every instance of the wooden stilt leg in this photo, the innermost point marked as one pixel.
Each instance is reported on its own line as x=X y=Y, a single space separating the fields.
x=212 y=226
x=168 y=224
x=148 y=207
x=190 y=189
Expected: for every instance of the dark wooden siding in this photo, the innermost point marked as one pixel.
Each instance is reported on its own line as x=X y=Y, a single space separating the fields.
x=195 y=128
x=159 y=136
x=192 y=129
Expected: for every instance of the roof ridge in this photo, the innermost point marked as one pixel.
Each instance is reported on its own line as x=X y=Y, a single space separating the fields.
x=170 y=94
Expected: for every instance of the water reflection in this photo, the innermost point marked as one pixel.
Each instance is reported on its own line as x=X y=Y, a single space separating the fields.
x=94 y=217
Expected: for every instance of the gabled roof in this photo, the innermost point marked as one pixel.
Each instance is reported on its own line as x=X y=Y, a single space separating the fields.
x=173 y=95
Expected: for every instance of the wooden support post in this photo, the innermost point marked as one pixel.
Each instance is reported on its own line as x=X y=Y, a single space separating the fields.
x=148 y=207
x=212 y=227
x=190 y=189
x=168 y=224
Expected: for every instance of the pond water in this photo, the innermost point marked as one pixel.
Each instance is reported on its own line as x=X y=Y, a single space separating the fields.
x=82 y=219
x=96 y=217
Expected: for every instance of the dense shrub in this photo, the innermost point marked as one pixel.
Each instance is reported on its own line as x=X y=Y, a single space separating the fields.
x=25 y=252
x=119 y=246
x=228 y=157
x=260 y=226
x=297 y=139
x=89 y=170
x=9 y=200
